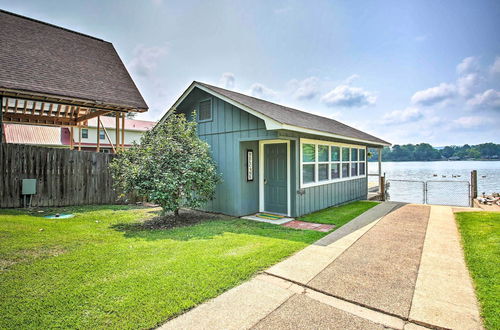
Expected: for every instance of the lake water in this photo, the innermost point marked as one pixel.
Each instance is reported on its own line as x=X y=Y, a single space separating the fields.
x=453 y=172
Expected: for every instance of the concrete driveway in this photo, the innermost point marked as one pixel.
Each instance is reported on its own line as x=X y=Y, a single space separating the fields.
x=396 y=266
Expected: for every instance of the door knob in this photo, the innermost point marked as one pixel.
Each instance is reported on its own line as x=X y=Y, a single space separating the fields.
x=265 y=181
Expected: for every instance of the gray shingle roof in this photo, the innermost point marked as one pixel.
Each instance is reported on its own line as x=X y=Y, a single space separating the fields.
x=43 y=58
x=290 y=116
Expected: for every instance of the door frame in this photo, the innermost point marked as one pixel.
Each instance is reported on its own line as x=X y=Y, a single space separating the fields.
x=261 y=173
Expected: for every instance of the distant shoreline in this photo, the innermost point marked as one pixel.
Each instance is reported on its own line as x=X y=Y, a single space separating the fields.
x=436 y=160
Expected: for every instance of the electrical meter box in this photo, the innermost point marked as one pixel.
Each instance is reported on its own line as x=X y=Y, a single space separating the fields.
x=29 y=187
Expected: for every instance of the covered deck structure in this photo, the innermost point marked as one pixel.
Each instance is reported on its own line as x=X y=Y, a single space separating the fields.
x=57 y=77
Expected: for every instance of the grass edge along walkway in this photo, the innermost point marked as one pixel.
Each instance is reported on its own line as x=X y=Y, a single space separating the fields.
x=339 y=215
x=480 y=232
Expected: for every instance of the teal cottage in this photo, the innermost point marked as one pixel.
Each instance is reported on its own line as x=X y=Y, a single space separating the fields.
x=273 y=158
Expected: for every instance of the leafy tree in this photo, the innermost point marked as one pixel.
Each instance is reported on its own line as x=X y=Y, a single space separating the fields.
x=447 y=151
x=171 y=166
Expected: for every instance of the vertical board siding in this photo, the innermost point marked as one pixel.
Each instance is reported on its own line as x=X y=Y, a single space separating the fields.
x=320 y=197
x=229 y=124
x=64 y=177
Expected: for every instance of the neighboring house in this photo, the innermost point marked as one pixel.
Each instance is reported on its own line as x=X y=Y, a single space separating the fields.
x=133 y=131
x=274 y=158
x=60 y=136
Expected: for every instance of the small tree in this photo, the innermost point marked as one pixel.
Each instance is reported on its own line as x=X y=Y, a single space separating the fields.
x=171 y=166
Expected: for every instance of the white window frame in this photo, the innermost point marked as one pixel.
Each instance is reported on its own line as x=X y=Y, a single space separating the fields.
x=211 y=111
x=317 y=143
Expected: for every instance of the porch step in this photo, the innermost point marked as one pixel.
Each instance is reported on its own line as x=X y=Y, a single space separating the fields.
x=278 y=221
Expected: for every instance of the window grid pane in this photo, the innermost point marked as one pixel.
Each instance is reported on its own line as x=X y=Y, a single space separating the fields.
x=335 y=171
x=345 y=170
x=308 y=173
x=362 y=154
x=335 y=154
x=308 y=153
x=354 y=169
x=205 y=112
x=345 y=154
x=354 y=154
x=322 y=153
x=323 y=172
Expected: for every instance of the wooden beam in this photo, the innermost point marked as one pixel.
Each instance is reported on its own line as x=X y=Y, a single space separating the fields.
x=33 y=119
x=33 y=109
x=123 y=131
x=71 y=138
x=51 y=108
x=68 y=101
x=98 y=133
x=107 y=135
x=79 y=137
x=117 y=131
x=59 y=108
x=25 y=106
x=92 y=115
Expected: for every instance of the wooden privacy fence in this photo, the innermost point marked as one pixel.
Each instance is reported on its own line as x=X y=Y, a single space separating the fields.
x=64 y=177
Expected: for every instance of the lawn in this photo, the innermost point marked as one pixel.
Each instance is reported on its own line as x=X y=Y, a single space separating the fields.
x=481 y=241
x=105 y=269
x=339 y=215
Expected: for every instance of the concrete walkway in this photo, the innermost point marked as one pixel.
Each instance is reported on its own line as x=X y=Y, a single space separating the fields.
x=398 y=267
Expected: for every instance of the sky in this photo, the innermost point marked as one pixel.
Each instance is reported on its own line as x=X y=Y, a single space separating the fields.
x=405 y=71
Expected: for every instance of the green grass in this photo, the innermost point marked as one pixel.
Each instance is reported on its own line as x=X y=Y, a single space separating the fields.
x=101 y=269
x=339 y=215
x=481 y=241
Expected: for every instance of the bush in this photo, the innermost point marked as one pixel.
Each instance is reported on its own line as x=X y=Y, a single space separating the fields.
x=171 y=166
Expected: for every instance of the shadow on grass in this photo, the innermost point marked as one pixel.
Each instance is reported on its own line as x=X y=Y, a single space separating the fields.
x=194 y=225
x=44 y=211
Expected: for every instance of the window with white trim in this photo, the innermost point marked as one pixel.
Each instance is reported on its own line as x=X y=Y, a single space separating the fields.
x=325 y=162
x=205 y=111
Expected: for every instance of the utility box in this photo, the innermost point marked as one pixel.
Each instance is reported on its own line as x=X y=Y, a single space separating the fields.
x=29 y=187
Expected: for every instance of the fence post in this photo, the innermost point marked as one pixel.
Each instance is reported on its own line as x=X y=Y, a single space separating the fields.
x=382 y=188
x=473 y=186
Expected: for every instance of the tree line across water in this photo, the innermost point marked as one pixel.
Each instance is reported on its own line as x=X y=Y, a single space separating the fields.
x=426 y=152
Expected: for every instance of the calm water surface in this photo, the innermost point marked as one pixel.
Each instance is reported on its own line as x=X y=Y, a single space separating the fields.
x=488 y=173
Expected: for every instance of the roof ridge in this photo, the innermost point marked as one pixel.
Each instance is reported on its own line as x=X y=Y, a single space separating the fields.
x=51 y=25
x=283 y=106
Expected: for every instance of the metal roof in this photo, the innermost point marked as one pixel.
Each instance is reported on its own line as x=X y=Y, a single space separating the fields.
x=38 y=135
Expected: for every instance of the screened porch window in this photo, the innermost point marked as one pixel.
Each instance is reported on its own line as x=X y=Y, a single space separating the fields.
x=323 y=162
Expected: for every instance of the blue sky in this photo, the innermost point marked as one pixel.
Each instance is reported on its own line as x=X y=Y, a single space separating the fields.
x=406 y=71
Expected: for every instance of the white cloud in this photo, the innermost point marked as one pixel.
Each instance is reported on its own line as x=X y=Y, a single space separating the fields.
x=261 y=91
x=402 y=116
x=469 y=122
x=421 y=38
x=489 y=99
x=495 y=68
x=434 y=95
x=146 y=59
x=306 y=89
x=349 y=80
x=347 y=96
x=467 y=84
x=227 y=80
x=468 y=64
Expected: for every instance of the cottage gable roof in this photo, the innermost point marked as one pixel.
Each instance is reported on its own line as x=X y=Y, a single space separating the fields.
x=282 y=117
x=43 y=58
